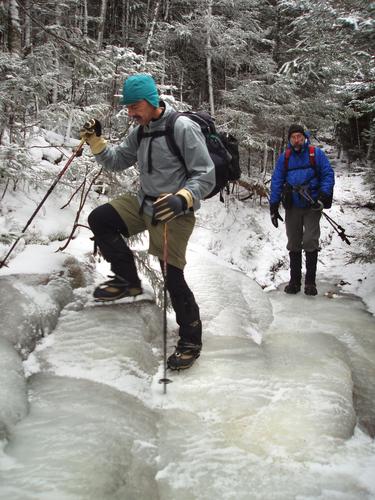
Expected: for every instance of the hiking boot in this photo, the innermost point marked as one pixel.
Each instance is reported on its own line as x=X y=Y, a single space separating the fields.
x=292 y=288
x=311 y=263
x=184 y=355
x=116 y=288
x=310 y=289
x=294 y=285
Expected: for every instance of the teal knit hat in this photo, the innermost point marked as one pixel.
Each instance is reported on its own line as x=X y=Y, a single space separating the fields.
x=138 y=87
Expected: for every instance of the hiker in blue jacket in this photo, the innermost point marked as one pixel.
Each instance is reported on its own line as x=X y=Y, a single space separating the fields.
x=170 y=192
x=303 y=180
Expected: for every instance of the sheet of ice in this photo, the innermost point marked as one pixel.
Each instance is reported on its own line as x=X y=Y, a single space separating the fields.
x=13 y=394
x=86 y=436
x=267 y=411
x=270 y=416
x=105 y=343
x=81 y=440
x=275 y=420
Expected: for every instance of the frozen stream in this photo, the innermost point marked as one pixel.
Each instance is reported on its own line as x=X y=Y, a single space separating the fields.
x=280 y=404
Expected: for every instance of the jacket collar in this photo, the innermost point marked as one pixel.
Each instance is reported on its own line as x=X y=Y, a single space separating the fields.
x=305 y=147
x=160 y=122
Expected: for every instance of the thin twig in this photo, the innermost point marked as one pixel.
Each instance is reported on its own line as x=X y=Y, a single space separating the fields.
x=81 y=205
x=5 y=190
x=73 y=195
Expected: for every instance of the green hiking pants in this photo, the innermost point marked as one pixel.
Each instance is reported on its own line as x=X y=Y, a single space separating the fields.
x=179 y=230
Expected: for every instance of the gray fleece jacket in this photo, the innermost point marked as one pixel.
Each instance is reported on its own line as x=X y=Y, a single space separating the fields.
x=168 y=174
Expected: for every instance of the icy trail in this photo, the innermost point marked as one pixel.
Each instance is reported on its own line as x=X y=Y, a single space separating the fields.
x=267 y=412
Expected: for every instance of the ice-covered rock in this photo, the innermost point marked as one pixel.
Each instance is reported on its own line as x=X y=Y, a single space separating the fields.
x=30 y=306
x=13 y=395
x=81 y=440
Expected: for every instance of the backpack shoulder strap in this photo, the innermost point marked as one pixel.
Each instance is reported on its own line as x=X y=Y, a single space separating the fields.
x=139 y=134
x=287 y=154
x=312 y=156
x=169 y=136
x=142 y=134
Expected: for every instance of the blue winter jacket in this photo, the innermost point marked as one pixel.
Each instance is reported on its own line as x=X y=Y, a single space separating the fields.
x=301 y=172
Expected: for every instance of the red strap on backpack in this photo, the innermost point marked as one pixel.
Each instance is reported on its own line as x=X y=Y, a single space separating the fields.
x=312 y=155
x=287 y=154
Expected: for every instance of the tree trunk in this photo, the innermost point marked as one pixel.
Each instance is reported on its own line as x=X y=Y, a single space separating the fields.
x=370 y=146
x=225 y=74
x=265 y=158
x=276 y=48
x=151 y=32
x=125 y=22
x=58 y=12
x=101 y=24
x=148 y=14
x=55 y=83
x=85 y=19
x=209 y=58
x=166 y=10
x=36 y=106
x=162 y=78
x=27 y=26
x=69 y=126
x=14 y=31
x=181 y=84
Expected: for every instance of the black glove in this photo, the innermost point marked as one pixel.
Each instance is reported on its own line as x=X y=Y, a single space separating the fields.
x=317 y=206
x=168 y=207
x=92 y=133
x=92 y=126
x=275 y=216
x=326 y=199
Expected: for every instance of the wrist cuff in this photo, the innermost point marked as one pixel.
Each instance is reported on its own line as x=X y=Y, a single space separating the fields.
x=97 y=144
x=187 y=196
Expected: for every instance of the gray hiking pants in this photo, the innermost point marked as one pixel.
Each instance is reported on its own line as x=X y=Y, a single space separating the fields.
x=302 y=229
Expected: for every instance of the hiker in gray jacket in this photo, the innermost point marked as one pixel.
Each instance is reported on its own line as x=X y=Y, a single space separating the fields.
x=169 y=194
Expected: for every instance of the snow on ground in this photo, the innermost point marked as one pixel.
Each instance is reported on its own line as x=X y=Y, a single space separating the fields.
x=266 y=411
x=240 y=233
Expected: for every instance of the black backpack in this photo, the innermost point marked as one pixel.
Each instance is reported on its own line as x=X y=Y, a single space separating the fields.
x=222 y=147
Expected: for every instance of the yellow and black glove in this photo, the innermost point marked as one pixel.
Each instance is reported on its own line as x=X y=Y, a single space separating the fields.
x=169 y=206
x=92 y=133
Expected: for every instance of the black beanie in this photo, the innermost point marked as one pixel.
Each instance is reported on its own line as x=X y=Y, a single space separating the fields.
x=296 y=128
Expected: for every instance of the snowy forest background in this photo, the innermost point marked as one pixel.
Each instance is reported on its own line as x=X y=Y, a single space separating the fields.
x=258 y=66
x=280 y=403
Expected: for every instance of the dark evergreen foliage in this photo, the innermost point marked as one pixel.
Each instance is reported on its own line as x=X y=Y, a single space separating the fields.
x=273 y=63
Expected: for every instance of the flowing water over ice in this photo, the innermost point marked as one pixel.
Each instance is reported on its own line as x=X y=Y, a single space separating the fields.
x=280 y=405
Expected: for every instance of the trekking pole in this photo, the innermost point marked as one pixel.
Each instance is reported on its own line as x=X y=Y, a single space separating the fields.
x=165 y=380
x=77 y=151
x=339 y=229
